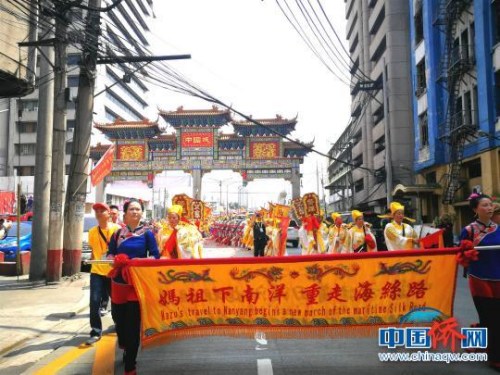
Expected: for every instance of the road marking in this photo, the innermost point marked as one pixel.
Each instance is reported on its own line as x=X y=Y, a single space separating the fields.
x=264 y=367
x=104 y=359
x=64 y=360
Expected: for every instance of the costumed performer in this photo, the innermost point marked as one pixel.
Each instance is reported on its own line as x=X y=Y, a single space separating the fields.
x=336 y=235
x=359 y=238
x=178 y=238
x=483 y=268
x=399 y=235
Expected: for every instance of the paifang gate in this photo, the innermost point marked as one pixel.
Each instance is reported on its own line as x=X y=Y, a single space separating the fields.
x=198 y=146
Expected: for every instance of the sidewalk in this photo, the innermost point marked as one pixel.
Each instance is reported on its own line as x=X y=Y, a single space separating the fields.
x=29 y=310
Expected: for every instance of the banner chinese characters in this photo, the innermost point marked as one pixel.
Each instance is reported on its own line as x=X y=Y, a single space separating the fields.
x=264 y=150
x=131 y=152
x=197 y=139
x=295 y=296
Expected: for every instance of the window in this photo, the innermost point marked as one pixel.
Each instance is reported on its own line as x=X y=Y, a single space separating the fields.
x=25 y=171
x=26 y=127
x=359 y=186
x=419 y=26
x=378 y=115
x=73 y=59
x=496 y=19
x=468 y=117
x=380 y=144
x=423 y=126
x=25 y=149
x=73 y=81
x=30 y=105
x=70 y=124
x=379 y=51
x=421 y=79
x=378 y=22
x=354 y=44
x=358 y=161
x=430 y=178
x=497 y=92
x=474 y=168
x=69 y=148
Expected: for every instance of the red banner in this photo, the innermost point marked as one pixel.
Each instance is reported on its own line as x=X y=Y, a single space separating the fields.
x=197 y=139
x=103 y=167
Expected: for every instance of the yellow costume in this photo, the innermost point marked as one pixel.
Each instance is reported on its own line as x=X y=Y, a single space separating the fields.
x=399 y=236
x=336 y=236
x=359 y=238
x=187 y=241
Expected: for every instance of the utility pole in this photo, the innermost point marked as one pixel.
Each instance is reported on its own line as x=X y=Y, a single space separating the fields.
x=43 y=159
x=79 y=165
x=388 y=153
x=55 y=249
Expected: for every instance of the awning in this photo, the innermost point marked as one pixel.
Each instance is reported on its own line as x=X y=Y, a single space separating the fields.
x=401 y=189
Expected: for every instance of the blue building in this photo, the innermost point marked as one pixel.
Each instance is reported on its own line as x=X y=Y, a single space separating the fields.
x=455 y=54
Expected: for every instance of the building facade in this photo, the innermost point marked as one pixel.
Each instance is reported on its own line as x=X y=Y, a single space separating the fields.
x=118 y=93
x=378 y=33
x=455 y=55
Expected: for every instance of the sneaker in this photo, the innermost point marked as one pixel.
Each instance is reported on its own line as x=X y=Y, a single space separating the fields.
x=103 y=312
x=92 y=340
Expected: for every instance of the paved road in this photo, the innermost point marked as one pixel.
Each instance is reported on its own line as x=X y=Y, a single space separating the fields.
x=222 y=355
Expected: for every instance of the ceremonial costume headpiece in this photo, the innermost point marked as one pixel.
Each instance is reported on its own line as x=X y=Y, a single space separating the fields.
x=335 y=215
x=355 y=214
x=394 y=207
x=175 y=209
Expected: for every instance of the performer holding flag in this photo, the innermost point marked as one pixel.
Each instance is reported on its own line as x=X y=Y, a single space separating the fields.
x=399 y=235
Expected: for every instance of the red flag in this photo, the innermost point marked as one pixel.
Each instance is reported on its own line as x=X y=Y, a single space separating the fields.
x=433 y=240
x=103 y=166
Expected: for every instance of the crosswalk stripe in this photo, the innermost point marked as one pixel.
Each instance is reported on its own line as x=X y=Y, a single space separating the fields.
x=104 y=359
x=264 y=367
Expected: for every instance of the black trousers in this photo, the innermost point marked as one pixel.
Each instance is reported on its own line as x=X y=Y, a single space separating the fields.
x=488 y=310
x=258 y=248
x=127 y=318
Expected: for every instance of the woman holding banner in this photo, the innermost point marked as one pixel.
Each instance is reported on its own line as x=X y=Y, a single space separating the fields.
x=359 y=238
x=484 y=270
x=399 y=235
x=132 y=241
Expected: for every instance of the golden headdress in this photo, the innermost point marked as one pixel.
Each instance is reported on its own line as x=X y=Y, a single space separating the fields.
x=175 y=209
x=355 y=214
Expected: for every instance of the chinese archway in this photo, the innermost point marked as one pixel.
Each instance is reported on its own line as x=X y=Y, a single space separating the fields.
x=198 y=146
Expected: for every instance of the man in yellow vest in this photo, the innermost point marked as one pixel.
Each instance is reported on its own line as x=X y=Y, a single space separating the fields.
x=100 y=285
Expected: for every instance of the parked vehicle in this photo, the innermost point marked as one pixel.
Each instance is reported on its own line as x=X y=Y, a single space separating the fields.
x=89 y=221
x=9 y=244
x=293 y=233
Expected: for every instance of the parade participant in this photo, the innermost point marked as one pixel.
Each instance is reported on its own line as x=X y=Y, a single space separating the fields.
x=114 y=214
x=311 y=227
x=496 y=213
x=359 y=238
x=322 y=234
x=484 y=270
x=399 y=235
x=100 y=284
x=336 y=235
x=136 y=241
x=269 y=249
x=177 y=238
x=260 y=237
x=248 y=233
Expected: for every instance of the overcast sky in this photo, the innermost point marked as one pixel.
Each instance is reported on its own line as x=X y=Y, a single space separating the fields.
x=247 y=54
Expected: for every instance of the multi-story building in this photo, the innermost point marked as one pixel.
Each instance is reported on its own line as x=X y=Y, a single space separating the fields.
x=119 y=94
x=378 y=34
x=455 y=55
